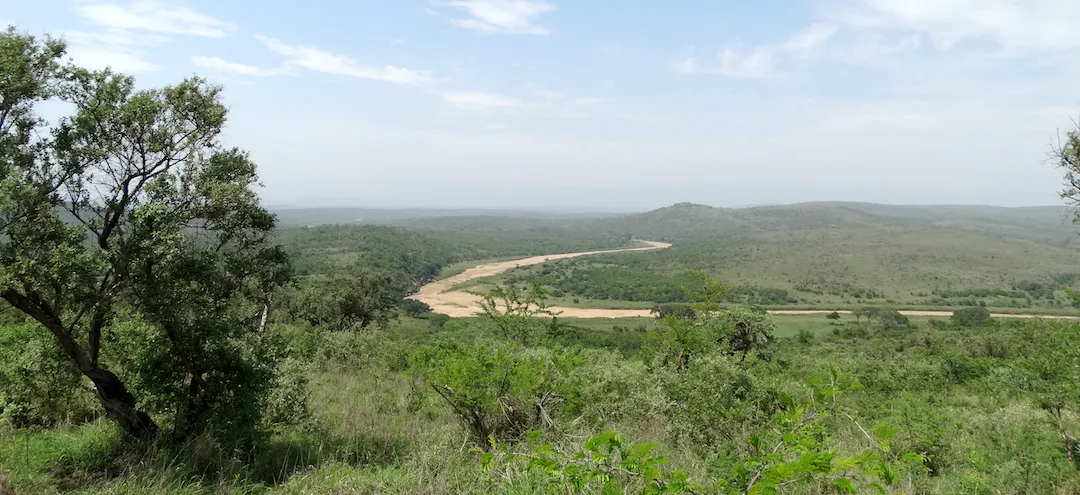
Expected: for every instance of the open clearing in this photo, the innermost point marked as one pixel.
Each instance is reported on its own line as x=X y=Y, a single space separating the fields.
x=459 y=304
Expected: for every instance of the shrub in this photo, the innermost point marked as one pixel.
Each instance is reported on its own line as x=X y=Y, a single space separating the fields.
x=745 y=330
x=38 y=385
x=499 y=390
x=287 y=402
x=971 y=317
x=414 y=308
x=716 y=402
x=438 y=319
x=891 y=319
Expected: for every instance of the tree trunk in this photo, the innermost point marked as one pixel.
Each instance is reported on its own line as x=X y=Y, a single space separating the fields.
x=119 y=404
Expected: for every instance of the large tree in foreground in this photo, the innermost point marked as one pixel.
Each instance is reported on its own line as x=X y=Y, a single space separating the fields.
x=1066 y=155
x=134 y=238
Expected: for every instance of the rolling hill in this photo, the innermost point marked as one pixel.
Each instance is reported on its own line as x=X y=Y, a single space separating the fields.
x=820 y=254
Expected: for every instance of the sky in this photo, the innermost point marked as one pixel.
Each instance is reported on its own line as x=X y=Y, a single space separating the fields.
x=612 y=103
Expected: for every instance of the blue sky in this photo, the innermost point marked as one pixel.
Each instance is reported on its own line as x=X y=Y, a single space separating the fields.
x=601 y=103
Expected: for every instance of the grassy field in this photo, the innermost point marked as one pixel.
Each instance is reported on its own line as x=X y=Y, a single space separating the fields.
x=377 y=428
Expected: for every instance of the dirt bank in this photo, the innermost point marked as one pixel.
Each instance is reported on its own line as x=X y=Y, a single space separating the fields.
x=461 y=304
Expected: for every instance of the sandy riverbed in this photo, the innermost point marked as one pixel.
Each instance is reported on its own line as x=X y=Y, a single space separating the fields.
x=442 y=299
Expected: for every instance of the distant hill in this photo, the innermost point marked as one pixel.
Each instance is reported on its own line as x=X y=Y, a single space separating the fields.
x=1043 y=224
x=293 y=217
x=816 y=254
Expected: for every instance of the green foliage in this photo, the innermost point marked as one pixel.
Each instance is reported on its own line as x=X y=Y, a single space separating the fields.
x=716 y=402
x=673 y=343
x=415 y=309
x=352 y=301
x=604 y=462
x=787 y=256
x=886 y=318
x=515 y=312
x=745 y=330
x=1066 y=152
x=438 y=320
x=414 y=257
x=675 y=310
x=891 y=319
x=127 y=224
x=500 y=390
x=38 y=386
x=971 y=317
x=741 y=330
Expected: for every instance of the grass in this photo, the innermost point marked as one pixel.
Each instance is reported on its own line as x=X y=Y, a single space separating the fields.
x=378 y=429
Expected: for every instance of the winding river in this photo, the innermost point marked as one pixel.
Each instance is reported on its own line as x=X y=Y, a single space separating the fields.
x=443 y=299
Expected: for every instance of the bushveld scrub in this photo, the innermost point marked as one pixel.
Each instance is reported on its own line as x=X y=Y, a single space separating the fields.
x=985 y=409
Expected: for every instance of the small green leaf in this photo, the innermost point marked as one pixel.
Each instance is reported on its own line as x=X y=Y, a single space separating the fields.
x=844 y=485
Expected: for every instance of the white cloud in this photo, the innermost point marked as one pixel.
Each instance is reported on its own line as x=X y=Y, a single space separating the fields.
x=312 y=58
x=810 y=38
x=548 y=94
x=114 y=48
x=118 y=59
x=478 y=100
x=502 y=16
x=147 y=15
x=735 y=60
x=217 y=64
x=548 y=104
x=1013 y=25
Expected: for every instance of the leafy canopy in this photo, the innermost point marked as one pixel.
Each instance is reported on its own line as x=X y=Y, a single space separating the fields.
x=128 y=225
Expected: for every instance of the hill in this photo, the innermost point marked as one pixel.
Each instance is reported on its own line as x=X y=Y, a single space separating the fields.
x=834 y=254
x=294 y=217
x=1044 y=224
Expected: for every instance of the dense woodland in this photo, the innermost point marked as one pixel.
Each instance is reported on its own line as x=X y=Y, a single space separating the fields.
x=160 y=333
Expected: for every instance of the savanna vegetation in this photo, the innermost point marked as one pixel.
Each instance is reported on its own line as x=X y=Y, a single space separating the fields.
x=160 y=334
x=830 y=268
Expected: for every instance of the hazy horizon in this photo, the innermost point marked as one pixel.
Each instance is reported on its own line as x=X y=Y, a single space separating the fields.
x=569 y=208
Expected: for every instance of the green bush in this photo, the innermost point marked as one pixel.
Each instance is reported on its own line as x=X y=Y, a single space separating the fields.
x=414 y=308
x=971 y=317
x=502 y=390
x=39 y=386
x=438 y=319
x=716 y=401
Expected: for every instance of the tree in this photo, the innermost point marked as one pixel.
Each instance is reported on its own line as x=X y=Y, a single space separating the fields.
x=677 y=310
x=515 y=312
x=706 y=293
x=131 y=207
x=1066 y=153
x=868 y=313
x=744 y=330
x=415 y=308
x=346 y=302
x=971 y=317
